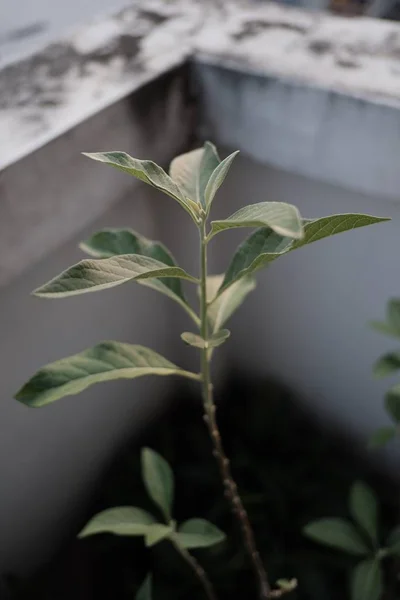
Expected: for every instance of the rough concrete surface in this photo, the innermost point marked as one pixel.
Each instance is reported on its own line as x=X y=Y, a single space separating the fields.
x=48 y=93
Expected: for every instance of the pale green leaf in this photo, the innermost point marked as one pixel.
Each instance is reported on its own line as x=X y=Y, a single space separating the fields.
x=199 y=533
x=337 y=533
x=392 y=403
x=216 y=339
x=156 y=533
x=284 y=219
x=287 y=585
x=145 y=590
x=221 y=308
x=217 y=178
x=385 y=328
x=104 y=362
x=192 y=171
x=366 y=581
x=122 y=520
x=158 y=480
x=381 y=437
x=265 y=246
x=95 y=275
x=113 y=242
x=364 y=509
x=387 y=364
x=145 y=170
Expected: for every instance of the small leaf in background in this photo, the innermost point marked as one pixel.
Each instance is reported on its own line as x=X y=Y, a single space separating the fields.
x=217 y=178
x=337 y=533
x=145 y=590
x=114 y=242
x=122 y=520
x=158 y=480
x=392 y=403
x=387 y=364
x=381 y=436
x=156 y=533
x=105 y=362
x=145 y=170
x=284 y=219
x=393 y=313
x=192 y=171
x=364 y=509
x=199 y=533
x=265 y=246
x=384 y=328
x=394 y=541
x=216 y=339
x=95 y=275
x=366 y=581
x=223 y=307
x=287 y=585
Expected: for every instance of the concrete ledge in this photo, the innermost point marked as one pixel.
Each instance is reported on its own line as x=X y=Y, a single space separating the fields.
x=313 y=94
x=47 y=94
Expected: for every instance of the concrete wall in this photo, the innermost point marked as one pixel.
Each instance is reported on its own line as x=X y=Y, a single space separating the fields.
x=50 y=459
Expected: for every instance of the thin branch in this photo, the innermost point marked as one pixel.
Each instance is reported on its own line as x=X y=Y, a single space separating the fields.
x=197 y=569
x=230 y=486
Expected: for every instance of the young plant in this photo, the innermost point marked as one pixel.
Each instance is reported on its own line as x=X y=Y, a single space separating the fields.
x=122 y=256
x=361 y=538
x=387 y=365
x=132 y=521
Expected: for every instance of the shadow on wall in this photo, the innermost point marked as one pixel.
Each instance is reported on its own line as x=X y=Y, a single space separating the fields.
x=289 y=469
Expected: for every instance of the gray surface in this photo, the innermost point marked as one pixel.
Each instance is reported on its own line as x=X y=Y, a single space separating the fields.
x=30 y=24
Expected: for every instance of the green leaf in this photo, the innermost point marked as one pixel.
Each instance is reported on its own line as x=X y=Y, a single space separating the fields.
x=199 y=533
x=114 y=242
x=145 y=170
x=394 y=542
x=284 y=219
x=387 y=364
x=366 y=581
x=217 y=178
x=145 y=590
x=364 y=509
x=393 y=313
x=104 y=362
x=158 y=480
x=392 y=403
x=221 y=308
x=381 y=437
x=216 y=339
x=156 y=533
x=94 y=275
x=384 y=328
x=192 y=171
x=122 y=520
x=337 y=533
x=265 y=246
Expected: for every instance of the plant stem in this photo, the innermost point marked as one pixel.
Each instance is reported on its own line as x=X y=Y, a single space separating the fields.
x=230 y=486
x=197 y=568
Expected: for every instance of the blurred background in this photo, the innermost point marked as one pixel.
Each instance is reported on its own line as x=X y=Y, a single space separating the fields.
x=310 y=94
